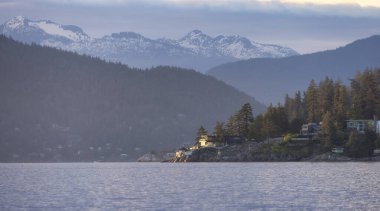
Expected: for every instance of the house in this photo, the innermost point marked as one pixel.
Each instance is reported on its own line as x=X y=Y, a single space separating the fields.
x=209 y=141
x=213 y=141
x=183 y=152
x=376 y=152
x=310 y=129
x=364 y=124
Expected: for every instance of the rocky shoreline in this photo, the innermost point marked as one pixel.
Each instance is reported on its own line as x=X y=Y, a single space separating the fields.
x=269 y=151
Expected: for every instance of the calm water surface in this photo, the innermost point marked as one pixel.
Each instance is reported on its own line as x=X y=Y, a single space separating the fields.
x=190 y=186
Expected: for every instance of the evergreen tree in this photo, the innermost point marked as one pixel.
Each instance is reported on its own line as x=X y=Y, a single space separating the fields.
x=340 y=104
x=219 y=132
x=325 y=97
x=370 y=142
x=256 y=128
x=353 y=144
x=299 y=107
x=361 y=145
x=290 y=108
x=356 y=109
x=244 y=119
x=239 y=123
x=377 y=77
x=201 y=131
x=371 y=94
x=231 y=126
x=275 y=121
x=312 y=102
x=365 y=95
x=328 y=131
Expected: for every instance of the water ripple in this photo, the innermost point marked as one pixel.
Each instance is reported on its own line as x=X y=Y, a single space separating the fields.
x=190 y=186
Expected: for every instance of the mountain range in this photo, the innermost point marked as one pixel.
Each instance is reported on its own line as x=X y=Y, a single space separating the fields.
x=195 y=50
x=269 y=79
x=61 y=106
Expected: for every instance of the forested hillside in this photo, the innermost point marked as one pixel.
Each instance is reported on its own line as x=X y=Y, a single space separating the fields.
x=60 y=106
x=328 y=104
x=270 y=79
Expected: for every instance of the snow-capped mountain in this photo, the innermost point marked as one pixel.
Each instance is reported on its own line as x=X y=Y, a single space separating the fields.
x=42 y=31
x=195 y=50
x=234 y=46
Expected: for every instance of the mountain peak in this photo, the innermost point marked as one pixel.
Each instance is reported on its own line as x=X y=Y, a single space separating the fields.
x=196 y=38
x=16 y=22
x=195 y=32
x=19 y=18
x=40 y=30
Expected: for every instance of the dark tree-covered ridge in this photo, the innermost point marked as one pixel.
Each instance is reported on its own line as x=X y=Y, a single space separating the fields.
x=61 y=106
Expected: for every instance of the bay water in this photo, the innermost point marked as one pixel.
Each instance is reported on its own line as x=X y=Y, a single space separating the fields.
x=190 y=186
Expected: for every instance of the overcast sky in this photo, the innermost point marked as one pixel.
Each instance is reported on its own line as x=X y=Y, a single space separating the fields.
x=304 y=25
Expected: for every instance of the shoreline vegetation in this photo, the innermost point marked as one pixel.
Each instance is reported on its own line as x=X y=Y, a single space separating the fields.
x=330 y=121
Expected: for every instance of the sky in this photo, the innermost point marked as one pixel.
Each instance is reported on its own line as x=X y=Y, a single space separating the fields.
x=304 y=25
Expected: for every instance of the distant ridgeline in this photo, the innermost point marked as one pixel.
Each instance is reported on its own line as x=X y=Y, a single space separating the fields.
x=60 y=106
x=328 y=117
x=280 y=76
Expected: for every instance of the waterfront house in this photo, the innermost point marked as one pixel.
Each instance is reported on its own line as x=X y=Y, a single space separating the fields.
x=361 y=125
x=338 y=150
x=213 y=141
x=209 y=141
x=183 y=152
x=376 y=152
x=310 y=129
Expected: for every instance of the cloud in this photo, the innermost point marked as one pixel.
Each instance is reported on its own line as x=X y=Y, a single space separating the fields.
x=8 y=3
x=361 y=3
x=353 y=8
x=212 y=3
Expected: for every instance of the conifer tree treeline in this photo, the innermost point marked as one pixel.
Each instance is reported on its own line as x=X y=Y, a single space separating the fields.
x=239 y=123
x=359 y=100
x=329 y=102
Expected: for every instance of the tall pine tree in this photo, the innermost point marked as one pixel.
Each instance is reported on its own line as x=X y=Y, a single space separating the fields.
x=219 y=132
x=312 y=102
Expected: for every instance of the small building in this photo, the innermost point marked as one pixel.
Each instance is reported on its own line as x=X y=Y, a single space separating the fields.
x=338 y=150
x=376 y=152
x=362 y=125
x=209 y=141
x=310 y=129
x=183 y=152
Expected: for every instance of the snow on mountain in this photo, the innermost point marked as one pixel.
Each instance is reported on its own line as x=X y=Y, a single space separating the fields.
x=42 y=31
x=195 y=50
x=69 y=32
x=15 y=23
